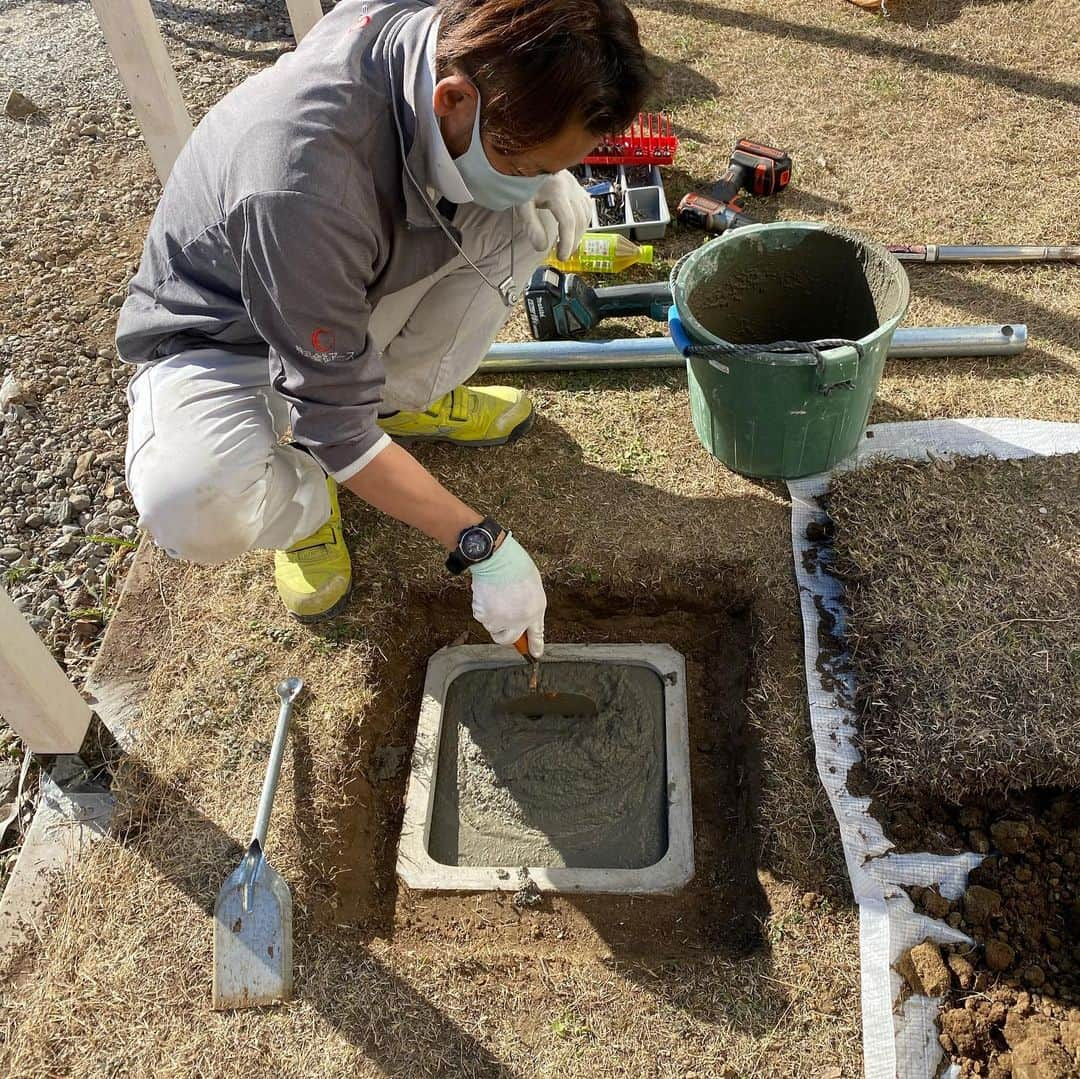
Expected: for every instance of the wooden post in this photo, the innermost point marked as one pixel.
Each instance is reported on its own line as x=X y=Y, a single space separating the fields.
x=143 y=64
x=303 y=14
x=36 y=698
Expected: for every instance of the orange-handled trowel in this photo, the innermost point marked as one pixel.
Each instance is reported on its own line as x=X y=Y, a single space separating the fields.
x=537 y=703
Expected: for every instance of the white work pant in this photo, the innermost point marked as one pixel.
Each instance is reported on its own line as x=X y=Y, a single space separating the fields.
x=205 y=466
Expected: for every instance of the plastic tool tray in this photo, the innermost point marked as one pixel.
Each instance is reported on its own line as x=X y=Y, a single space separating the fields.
x=640 y=208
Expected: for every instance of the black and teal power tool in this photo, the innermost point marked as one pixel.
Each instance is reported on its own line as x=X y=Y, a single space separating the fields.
x=560 y=305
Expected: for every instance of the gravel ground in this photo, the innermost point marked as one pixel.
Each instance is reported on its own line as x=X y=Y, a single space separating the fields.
x=77 y=189
x=76 y=192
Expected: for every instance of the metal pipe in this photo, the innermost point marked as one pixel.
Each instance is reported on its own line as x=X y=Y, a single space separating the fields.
x=999 y=339
x=578 y=355
x=983 y=253
x=927 y=342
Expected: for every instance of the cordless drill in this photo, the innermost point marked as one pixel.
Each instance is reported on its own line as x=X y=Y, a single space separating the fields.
x=761 y=170
x=560 y=305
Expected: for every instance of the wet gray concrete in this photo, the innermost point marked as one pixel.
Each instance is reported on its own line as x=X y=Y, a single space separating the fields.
x=554 y=791
x=820 y=285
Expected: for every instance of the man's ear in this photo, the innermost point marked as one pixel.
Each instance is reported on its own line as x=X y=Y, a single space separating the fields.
x=455 y=101
x=455 y=95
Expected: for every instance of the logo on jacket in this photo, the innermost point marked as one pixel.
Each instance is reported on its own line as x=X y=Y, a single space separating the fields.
x=322 y=340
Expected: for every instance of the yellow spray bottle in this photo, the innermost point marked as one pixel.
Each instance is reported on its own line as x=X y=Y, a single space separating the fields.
x=603 y=252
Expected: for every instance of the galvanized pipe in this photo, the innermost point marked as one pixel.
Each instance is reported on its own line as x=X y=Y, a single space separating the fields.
x=915 y=342
x=984 y=253
x=928 y=342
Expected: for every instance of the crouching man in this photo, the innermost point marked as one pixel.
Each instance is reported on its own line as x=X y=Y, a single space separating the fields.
x=335 y=250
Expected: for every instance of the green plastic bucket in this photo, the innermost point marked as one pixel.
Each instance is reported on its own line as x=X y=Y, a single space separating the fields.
x=817 y=307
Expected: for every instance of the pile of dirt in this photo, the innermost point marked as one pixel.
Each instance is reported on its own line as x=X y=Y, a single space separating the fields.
x=998 y=1031
x=1003 y=1033
x=1022 y=907
x=960 y=579
x=1022 y=903
x=1012 y=1002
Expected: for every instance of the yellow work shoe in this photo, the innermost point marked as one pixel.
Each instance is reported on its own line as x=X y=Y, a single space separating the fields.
x=487 y=416
x=313 y=576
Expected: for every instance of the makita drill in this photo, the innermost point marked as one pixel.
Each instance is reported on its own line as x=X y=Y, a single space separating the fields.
x=560 y=305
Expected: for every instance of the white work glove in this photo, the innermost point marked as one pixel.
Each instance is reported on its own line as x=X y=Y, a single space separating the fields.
x=571 y=207
x=508 y=596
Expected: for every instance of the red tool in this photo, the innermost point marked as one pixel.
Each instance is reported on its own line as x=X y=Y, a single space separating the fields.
x=647 y=141
x=760 y=170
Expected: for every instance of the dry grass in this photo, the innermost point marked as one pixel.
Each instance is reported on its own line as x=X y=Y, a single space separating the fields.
x=962 y=579
x=613 y=486
x=117 y=1004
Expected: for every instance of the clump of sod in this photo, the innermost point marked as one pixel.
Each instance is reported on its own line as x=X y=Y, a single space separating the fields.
x=962 y=581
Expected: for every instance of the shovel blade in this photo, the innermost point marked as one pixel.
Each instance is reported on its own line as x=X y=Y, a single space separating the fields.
x=253 y=948
x=535 y=705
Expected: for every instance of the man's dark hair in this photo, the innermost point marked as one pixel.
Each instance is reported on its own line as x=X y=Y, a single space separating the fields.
x=540 y=64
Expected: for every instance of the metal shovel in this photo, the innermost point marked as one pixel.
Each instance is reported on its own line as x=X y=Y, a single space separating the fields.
x=537 y=703
x=253 y=913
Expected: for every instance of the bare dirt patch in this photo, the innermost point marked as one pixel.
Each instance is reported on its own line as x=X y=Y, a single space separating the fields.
x=1015 y=997
x=1023 y=901
x=708 y=619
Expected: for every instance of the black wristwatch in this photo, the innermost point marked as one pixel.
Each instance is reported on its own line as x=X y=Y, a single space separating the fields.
x=475 y=544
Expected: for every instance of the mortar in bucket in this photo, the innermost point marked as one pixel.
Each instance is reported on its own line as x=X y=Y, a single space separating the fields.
x=785 y=328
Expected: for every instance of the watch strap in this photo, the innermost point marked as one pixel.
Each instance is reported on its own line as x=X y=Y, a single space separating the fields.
x=457 y=563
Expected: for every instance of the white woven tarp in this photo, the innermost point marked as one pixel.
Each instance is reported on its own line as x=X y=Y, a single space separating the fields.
x=899 y=1040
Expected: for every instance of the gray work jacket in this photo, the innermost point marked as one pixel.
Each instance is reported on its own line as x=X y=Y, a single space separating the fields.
x=287 y=216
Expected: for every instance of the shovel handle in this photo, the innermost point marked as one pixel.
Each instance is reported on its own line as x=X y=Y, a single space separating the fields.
x=273 y=770
x=522 y=645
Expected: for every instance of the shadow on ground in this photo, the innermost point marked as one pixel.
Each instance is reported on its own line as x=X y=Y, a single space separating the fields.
x=870 y=45
x=677 y=84
x=929 y=13
x=1004 y=300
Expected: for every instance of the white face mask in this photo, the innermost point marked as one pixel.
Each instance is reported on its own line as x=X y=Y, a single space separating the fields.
x=489 y=188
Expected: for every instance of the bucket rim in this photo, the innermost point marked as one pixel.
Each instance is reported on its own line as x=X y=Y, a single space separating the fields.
x=701 y=334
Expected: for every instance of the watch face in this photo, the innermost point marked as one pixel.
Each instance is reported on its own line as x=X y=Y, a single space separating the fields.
x=475 y=544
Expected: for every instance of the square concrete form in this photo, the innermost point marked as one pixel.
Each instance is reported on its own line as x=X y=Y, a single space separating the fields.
x=419 y=870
